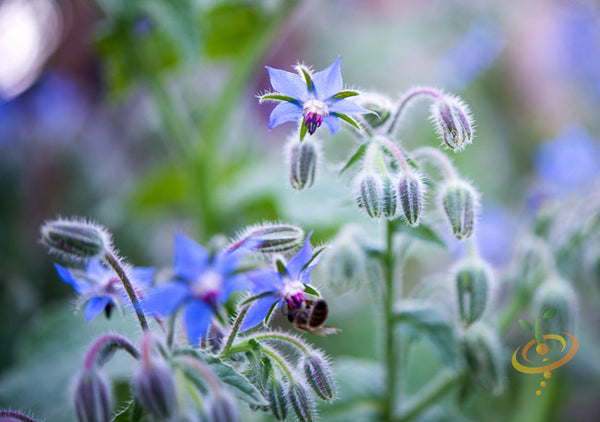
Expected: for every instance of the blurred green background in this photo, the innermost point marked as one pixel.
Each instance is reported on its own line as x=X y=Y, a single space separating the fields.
x=143 y=116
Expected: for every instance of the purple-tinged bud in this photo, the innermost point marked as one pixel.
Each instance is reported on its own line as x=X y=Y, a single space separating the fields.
x=93 y=399
x=557 y=294
x=320 y=377
x=301 y=402
x=473 y=279
x=453 y=122
x=482 y=352
x=303 y=159
x=277 y=399
x=369 y=194
x=460 y=202
x=272 y=238
x=14 y=416
x=390 y=197
x=155 y=389
x=223 y=409
x=411 y=191
x=75 y=239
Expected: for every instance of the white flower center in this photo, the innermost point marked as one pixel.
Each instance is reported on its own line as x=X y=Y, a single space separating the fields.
x=315 y=107
x=293 y=293
x=207 y=286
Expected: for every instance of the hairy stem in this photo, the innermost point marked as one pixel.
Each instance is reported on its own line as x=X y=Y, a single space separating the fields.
x=104 y=347
x=235 y=328
x=403 y=103
x=12 y=414
x=283 y=337
x=391 y=355
x=442 y=161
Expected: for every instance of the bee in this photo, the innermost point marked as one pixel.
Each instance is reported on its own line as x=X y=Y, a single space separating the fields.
x=310 y=317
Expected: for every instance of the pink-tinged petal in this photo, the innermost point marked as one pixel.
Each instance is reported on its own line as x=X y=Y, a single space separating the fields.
x=191 y=259
x=288 y=84
x=197 y=319
x=347 y=106
x=333 y=123
x=258 y=311
x=300 y=259
x=94 y=306
x=328 y=82
x=285 y=112
x=164 y=299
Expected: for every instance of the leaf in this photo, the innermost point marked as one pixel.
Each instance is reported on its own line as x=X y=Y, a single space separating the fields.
x=303 y=129
x=281 y=267
x=525 y=325
x=422 y=317
x=348 y=119
x=422 y=232
x=133 y=412
x=359 y=154
x=231 y=27
x=344 y=94
x=164 y=188
x=550 y=313
x=268 y=316
x=279 y=97
x=311 y=291
x=307 y=79
x=316 y=252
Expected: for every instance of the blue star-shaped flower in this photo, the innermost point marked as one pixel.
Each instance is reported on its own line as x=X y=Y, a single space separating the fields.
x=201 y=283
x=100 y=287
x=316 y=99
x=278 y=288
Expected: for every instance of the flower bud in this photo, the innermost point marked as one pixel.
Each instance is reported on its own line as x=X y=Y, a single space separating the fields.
x=453 y=121
x=14 y=416
x=272 y=238
x=345 y=261
x=390 y=197
x=223 y=409
x=378 y=103
x=411 y=190
x=532 y=260
x=482 y=352
x=155 y=389
x=302 y=403
x=473 y=278
x=277 y=399
x=303 y=163
x=369 y=194
x=320 y=377
x=93 y=400
x=460 y=202
x=75 y=239
x=556 y=294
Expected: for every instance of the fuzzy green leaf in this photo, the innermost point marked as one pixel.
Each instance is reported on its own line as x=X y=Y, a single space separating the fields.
x=278 y=97
x=347 y=119
x=357 y=156
x=344 y=94
x=422 y=232
x=311 y=291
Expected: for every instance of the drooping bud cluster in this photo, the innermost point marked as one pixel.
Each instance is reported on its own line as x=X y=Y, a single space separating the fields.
x=460 y=202
x=557 y=294
x=93 y=397
x=303 y=159
x=453 y=121
x=411 y=191
x=482 y=352
x=473 y=278
x=369 y=194
x=271 y=238
x=75 y=239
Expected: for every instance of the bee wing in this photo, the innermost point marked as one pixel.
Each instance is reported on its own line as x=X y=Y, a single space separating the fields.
x=323 y=330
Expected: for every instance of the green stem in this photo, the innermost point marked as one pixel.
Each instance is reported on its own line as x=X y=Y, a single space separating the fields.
x=443 y=162
x=280 y=361
x=282 y=336
x=114 y=262
x=391 y=357
x=430 y=394
x=235 y=328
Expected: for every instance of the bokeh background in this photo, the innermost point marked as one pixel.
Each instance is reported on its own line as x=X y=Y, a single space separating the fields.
x=143 y=116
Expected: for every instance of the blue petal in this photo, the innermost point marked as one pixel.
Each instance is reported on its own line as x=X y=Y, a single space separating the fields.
x=347 y=106
x=164 y=299
x=258 y=311
x=233 y=283
x=97 y=271
x=95 y=305
x=263 y=281
x=285 y=112
x=333 y=123
x=197 y=319
x=328 y=82
x=79 y=286
x=288 y=84
x=301 y=258
x=191 y=259
x=305 y=275
x=142 y=276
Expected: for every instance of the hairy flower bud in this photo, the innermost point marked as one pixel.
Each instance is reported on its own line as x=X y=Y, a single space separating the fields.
x=378 y=103
x=559 y=295
x=277 y=399
x=320 y=377
x=460 y=202
x=223 y=409
x=453 y=121
x=345 y=262
x=272 y=237
x=532 y=260
x=303 y=158
x=411 y=190
x=301 y=402
x=75 y=239
x=155 y=389
x=93 y=399
x=369 y=194
x=473 y=278
x=482 y=352
x=390 y=197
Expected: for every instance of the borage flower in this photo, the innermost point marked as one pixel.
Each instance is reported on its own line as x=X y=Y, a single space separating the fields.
x=288 y=285
x=100 y=287
x=316 y=99
x=201 y=284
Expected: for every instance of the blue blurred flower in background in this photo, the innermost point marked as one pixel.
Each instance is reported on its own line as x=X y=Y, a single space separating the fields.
x=100 y=287
x=472 y=54
x=570 y=163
